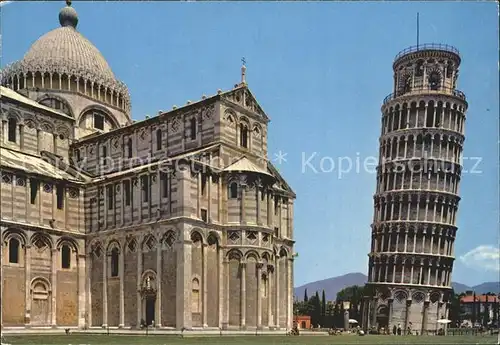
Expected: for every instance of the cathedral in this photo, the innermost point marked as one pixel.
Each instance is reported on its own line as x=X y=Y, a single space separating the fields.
x=178 y=221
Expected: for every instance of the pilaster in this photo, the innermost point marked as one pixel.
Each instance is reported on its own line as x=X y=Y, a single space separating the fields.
x=54 y=287
x=270 y=280
x=289 y=291
x=82 y=285
x=259 y=295
x=225 y=278
x=122 y=288
x=158 y=284
x=220 y=266
x=139 y=281
x=105 y=289
x=205 y=286
x=183 y=296
x=27 y=267
x=243 y=295
x=277 y=294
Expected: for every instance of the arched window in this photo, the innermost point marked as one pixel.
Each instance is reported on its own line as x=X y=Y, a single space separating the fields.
x=233 y=191
x=12 y=129
x=129 y=147
x=65 y=256
x=13 y=251
x=99 y=121
x=407 y=85
x=114 y=262
x=56 y=104
x=104 y=154
x=419 y=69
x=264 y=286
x=434 y=81
x=243 y=135
x=158 y=139
x=192 y=125
x=195 y=297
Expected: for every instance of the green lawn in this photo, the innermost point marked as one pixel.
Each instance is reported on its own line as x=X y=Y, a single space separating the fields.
x=240 y=340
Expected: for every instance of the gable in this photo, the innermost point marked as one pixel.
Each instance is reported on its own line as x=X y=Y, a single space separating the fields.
x=280 y=181
x=244 y=98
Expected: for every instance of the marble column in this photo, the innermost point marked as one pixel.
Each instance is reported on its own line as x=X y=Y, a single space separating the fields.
x=277 y=294
x=82 y=284
x=183 y=281
x=122 y=287
x=407 y=315
x=220 y=267
x=139 y=281
x=54 y=286
x=424 y=317
x=289 y=292
x=374 y=313
x=88 y=287
x=259 y=295
x=27 y=267
x=205 y=286
x=391 y=307
x=158 y=309
x=270 y=275
x=225 y=267
x=242 y=204
x=105 y=289
x=243 y=296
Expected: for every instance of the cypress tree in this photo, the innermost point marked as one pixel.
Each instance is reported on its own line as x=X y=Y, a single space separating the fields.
x=336 y=313
x=486 y=318
x=495 y=310
x=473 y=316
x=317 y=308
x=323 y=307
x=305 y=296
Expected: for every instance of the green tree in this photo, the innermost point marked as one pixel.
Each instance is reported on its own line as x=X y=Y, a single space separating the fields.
x=314 y=305
x=340 y=319
x=353 y=294
x=305 y=296
x=473 y=315
x=323 y=308
x=329 y=314
x=494 y=308
x=486 y=313
x=336 y=315
x=455 y=308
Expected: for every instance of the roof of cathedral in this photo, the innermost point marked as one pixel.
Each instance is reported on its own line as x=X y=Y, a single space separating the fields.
x=32 y=164
x=244 y=164
x=9 y=93
x=65 y=51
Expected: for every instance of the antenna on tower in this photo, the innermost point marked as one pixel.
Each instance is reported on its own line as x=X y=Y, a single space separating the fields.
x=418 y=30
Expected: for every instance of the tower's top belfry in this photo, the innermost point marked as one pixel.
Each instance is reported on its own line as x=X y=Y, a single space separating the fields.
x=426 y=68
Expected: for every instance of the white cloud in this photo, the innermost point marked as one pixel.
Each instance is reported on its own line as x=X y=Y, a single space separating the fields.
x=483 y=257
x=4 y=3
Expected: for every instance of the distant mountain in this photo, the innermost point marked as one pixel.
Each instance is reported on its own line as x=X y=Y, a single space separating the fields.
x=333 y=285
x=487 y=287
x=459 y=288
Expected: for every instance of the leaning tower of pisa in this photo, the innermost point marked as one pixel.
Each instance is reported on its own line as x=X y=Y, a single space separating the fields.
x=417 y=196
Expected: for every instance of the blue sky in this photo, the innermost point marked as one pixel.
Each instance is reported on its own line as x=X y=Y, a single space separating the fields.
x=321 y=69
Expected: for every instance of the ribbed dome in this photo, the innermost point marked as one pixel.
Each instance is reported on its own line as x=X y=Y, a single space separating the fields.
x=65 y=50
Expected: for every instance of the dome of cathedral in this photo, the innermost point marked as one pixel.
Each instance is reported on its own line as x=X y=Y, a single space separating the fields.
x=65 y=51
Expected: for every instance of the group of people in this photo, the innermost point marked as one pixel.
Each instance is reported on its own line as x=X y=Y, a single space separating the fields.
x=396 y=330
